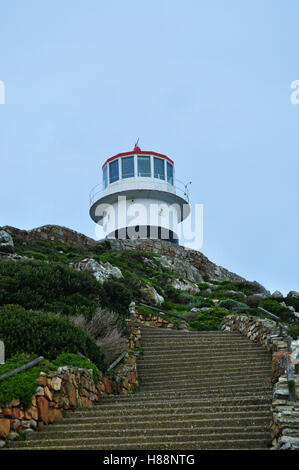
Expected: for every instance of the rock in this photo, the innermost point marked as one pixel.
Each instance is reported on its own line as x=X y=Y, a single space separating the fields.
x=277 y=295
x=150 y=263
x=15 y=402
x=48 y=394
x=254 y=300
x=40 y=391
x=4 y=427
x=101 y=271
x=43 y=408
x=185 y=286
x=257 y=288
x=294 y=294
x=56 y=383
x=70 y=390
x=181 y=267
x=6 y=239
x=53 y=233
x=240 y=295
x=207 y=291
x=151 y=296
x=12 y=436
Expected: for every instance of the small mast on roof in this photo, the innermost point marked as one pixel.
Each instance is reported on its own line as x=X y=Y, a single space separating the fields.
x=139 y=197
x=136 y=148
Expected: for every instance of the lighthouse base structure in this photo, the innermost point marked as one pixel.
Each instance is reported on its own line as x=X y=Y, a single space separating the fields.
x=143 y=232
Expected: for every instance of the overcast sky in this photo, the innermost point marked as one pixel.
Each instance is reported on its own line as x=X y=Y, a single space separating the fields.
x=207 y=83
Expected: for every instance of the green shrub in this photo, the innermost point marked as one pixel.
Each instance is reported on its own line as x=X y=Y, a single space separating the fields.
x=101 y=247
x=173 y=307
x=209 y=319
x=294 y=330
x=68 y=359
x=36 y=284
x=6 y=249
x=45 y=335
x=172 y=294
x=273 y=306
x=293 y=302
x=116 y=296
x=231 y=304
x=49 y=250
x=186 y=298
x=22 y=385
x=200 y=301
x=203 y=286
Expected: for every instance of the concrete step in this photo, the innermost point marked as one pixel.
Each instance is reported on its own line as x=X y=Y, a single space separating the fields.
x=215 y=444
x=186 y=430
x=172 y=417
x=151 y=405
x=199 y=393
x=148 y=329
x=154 y=377
x=203 y=383
x=214 y=368
x=198 y=355
x=186 y=339
x=166 y=436
x=229 y=348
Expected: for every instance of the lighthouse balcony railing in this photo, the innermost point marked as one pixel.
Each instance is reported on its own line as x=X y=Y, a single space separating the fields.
x=148 y=183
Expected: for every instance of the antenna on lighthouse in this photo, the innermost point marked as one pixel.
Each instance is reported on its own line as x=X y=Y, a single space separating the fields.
x=136 y=145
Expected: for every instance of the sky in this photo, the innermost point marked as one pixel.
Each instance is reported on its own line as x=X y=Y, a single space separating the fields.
x=207 y=83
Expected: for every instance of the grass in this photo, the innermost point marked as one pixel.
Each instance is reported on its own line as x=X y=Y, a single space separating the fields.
x=22 y=385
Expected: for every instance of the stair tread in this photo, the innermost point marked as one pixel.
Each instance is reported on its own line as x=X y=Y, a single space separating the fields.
x=200 y=390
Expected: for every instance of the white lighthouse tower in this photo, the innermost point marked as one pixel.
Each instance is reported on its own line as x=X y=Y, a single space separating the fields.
x=139 y=197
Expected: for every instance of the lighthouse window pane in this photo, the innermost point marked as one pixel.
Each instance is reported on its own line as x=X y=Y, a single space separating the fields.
x=169 y=173
x=159 y=168
x=105 y=176
x=127 y=167
x=113 y=171
x=144 y=166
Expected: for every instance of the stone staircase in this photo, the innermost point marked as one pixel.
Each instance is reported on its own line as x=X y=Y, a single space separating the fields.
x=198 y=390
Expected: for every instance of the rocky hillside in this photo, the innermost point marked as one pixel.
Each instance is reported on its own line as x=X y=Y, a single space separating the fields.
x=153 y=272
x=190 y=264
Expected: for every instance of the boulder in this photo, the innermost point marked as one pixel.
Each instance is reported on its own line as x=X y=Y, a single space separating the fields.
x=293 y=294
x=257 y=288
x=4 y=427
x=277 y=295
x=181 y=267
x=43 y=409
x=151 y=296
x=185 y=286
x=101 y=271
x=6 y=241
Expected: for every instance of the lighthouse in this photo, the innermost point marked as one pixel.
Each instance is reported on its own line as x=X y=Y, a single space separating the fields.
x=140 y=197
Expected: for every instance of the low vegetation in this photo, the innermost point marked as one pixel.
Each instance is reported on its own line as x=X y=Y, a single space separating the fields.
x=44 y=334
x=23 y=384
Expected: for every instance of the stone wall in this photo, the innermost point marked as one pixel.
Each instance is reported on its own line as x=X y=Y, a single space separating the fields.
x=56 y=392
x=285 y=414
x=160 y=322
